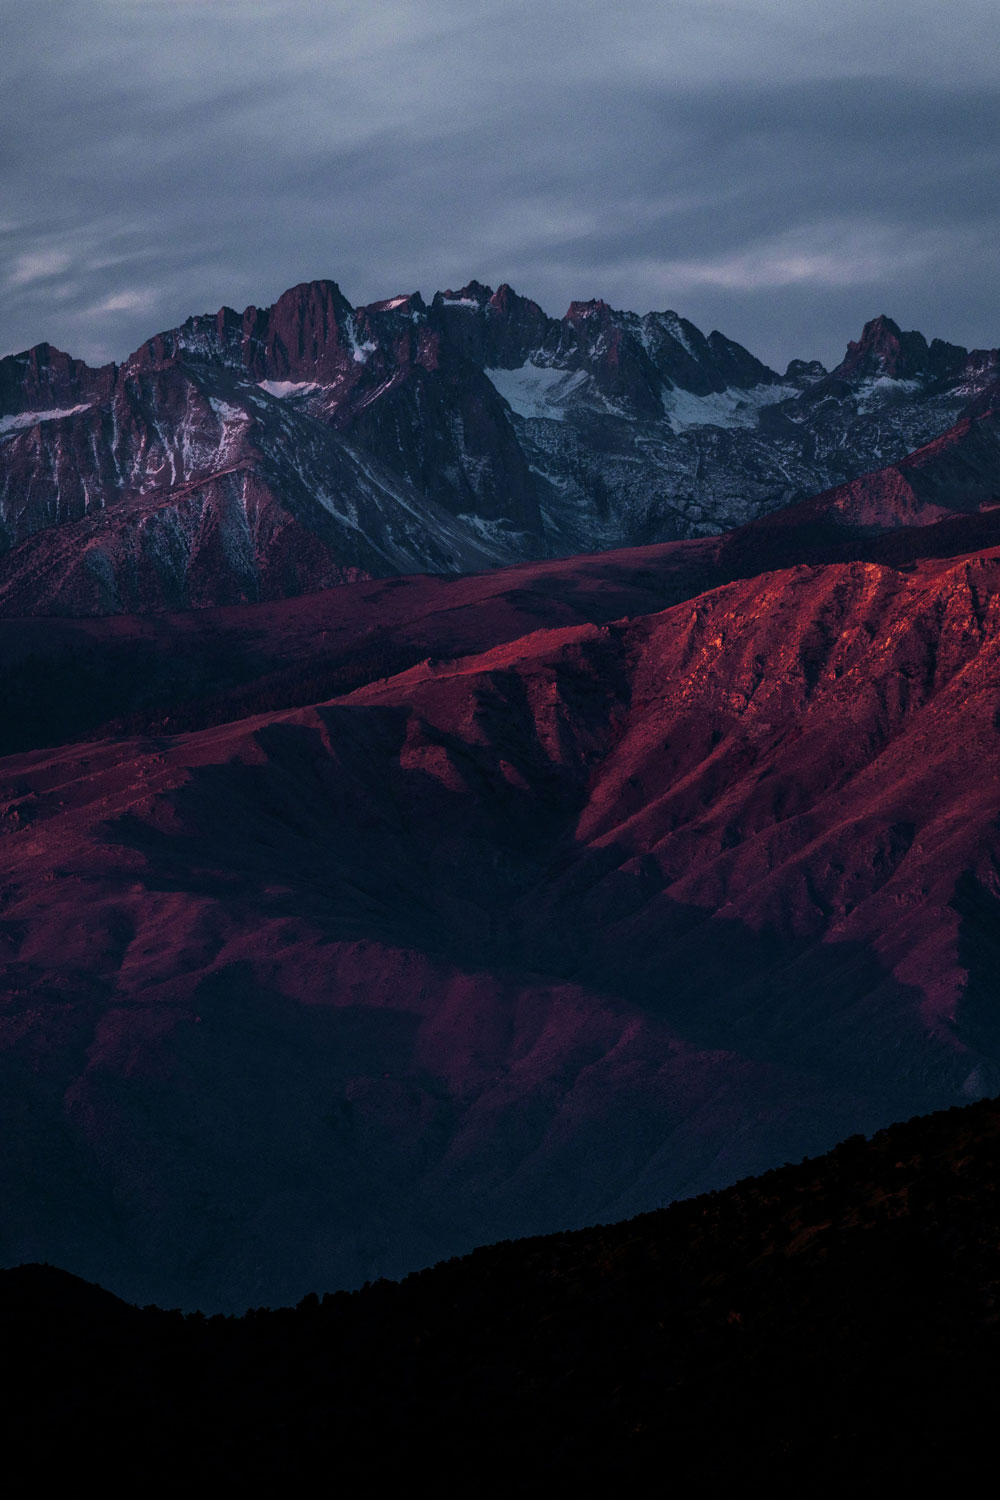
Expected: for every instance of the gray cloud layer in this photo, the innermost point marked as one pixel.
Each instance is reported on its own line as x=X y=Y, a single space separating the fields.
x=774 y=170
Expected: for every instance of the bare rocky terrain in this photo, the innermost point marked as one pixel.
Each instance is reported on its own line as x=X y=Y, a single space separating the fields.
x=264 y=454
x=520 y=936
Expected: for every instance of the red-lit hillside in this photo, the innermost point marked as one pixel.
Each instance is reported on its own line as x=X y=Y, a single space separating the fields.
x=506 y=943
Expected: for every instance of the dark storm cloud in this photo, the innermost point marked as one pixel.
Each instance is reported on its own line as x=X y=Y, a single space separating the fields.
x=781 y=176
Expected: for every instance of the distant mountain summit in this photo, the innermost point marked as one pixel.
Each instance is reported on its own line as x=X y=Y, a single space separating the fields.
x=261 y=454
x=885 y=351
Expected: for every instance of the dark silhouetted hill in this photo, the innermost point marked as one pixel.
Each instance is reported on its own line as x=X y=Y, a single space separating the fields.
x=827 y=1328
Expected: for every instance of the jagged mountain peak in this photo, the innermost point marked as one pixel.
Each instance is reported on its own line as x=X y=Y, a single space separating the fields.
x=320 y=290
x=405 y=303
x=737 y=366
x=885 y=350
x=473 y=296
x=805 y=371
x=505 y=299
x=44 y=376
x=305 y=332
x=480 y=414
x=879 y=328
x=595 y=307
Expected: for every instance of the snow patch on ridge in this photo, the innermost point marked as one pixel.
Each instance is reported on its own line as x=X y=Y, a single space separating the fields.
x=729 y=408
x=283 y=388
x=537 y=390
x=227 y=412
x=23 y=419
x=545 y=391
x=359 y=352
x=882 y=388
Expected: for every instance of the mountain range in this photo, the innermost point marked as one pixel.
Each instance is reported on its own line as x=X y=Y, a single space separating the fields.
x=345 y=928
x=258 y=455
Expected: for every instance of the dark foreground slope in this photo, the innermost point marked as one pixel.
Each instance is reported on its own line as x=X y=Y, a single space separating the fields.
x=832 y=1327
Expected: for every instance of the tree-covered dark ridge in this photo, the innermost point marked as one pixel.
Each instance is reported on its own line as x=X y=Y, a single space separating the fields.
x=829 y=1323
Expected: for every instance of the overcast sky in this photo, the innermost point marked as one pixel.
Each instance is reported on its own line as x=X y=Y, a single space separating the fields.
x=780 y=169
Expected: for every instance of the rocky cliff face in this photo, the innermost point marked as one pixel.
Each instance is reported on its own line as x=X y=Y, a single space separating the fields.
x=255 y=455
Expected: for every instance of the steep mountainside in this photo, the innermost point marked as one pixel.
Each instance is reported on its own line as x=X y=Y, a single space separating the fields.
x=551 y=933
x=943 y=498
x=832 y=1325
x=68 y=679
x=955 y=474
x=263 y=454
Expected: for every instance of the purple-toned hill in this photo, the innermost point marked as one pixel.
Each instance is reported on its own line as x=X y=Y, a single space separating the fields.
x=544 y=934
